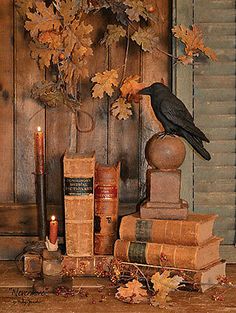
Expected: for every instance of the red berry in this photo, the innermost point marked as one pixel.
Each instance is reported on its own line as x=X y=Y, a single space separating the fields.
x=151 y=9
x=61 y=56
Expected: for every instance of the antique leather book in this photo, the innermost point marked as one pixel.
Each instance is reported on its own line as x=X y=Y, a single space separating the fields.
x=106 y=207
x=196 y=230
x=194 y=280
x=79 y=204
x=189 y=257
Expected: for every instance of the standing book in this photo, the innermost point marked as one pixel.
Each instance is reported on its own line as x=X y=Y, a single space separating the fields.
x=106 y=207
x=79 y=173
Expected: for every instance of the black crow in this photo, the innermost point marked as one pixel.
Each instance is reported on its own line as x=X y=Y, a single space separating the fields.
x=175 y=117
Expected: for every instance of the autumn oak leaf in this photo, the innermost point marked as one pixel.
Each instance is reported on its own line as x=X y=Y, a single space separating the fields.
x=193 y=41
x=104 y=83
x=43 y=55
x=132 y=293
x=130 y=88
x=52 y=39
x=113 y=35
x=146 y=38
x=67 y=9
x=121 y=109
x=163 y=284
x=44 y=19
x=136 y=8
x=23 y=6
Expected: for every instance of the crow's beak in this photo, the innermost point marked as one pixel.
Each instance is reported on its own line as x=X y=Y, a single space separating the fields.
x=145 y=91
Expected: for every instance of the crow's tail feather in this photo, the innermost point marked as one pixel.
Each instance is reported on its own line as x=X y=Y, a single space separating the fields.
x=197 y=145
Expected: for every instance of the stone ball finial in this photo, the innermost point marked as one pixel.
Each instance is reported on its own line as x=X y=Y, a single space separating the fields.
x=166 y=152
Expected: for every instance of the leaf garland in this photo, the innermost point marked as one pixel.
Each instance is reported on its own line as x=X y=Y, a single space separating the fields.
x=61 y=38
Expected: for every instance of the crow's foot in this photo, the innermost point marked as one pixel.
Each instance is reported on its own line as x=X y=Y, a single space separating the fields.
x=164 y=133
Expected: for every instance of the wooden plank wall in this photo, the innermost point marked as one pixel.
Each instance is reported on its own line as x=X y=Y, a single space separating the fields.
x=112 y=140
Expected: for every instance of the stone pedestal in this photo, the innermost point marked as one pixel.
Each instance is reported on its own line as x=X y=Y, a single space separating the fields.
x=164 y=179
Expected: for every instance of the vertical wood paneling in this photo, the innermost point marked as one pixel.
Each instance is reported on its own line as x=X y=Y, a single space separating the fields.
x=183 y=89
x=57 y=141
x=26 y=74
x=123 y=144
x=97 y=139
x=155 y=68
x=6 y=101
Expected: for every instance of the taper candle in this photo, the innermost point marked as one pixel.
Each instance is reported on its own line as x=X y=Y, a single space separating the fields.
x=39 y=151
x=53 y=230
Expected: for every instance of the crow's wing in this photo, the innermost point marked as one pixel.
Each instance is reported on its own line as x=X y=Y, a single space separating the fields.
x=176 y=112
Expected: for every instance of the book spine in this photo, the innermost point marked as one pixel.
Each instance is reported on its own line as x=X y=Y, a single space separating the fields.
x=157 y=254
x=79 y=204
x=159 y=231
x=106 y=207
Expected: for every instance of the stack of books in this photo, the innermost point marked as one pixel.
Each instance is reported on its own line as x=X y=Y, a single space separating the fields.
x=185 y=245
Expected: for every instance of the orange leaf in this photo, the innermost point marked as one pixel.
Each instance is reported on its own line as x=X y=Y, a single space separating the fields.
x=130 y=88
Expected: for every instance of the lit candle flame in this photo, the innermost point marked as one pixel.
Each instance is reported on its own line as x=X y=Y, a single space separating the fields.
x=53 y=218
x=39 y=129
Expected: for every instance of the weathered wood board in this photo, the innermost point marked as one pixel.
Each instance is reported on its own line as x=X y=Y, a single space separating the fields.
x=112 y=140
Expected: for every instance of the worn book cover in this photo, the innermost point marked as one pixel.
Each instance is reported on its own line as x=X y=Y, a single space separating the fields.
x=106 y=207
x=79 y=173
x=189 y=257
x=195 y=230
x=194 y=280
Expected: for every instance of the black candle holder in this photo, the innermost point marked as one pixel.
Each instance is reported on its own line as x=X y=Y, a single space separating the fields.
x=40 y=189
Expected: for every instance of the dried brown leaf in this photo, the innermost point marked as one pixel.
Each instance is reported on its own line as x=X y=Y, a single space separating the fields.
x=48 y=93
x=67 y=9
x=114 y=33
x=43 y=19
x=136 y=8
x=104 y=83
x=72 y=72
x=163 y=284
x=121 y=109
x=23 y=6
x=132 y=293
x=193 y=41
x=78 y=34
x=130 y=88
x=43 y=55
x=52 y=39
x=146 y=38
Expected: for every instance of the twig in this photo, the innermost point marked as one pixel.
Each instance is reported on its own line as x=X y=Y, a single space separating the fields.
x=35 y=114
x=143 y=275
x=126 y=57
x=166 y=53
